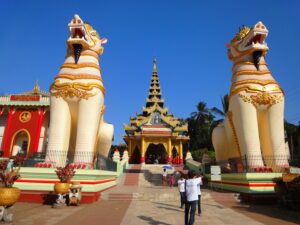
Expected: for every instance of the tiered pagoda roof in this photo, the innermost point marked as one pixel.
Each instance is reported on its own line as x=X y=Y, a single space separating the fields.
x=155 y=118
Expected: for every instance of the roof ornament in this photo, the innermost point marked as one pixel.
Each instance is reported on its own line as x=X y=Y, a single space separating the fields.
x=154 y=64
x=36 y=89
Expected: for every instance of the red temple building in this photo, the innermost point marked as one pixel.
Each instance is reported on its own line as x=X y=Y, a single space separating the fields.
x=24 y=120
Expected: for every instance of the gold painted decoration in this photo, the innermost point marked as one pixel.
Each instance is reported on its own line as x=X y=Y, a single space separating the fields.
x=25 y=117
x=241 y=34
x=251 y=72
x=254 y=89
x=252 y=81
x=262 y=98
x=78 y=76
x=75 y=89
x=80 y=65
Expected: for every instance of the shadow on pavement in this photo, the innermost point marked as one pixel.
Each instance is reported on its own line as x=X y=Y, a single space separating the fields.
x=271 y=211
x=152 y=221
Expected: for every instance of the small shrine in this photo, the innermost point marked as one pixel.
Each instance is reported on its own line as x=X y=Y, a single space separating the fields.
x=24 y=122
x=155 y=136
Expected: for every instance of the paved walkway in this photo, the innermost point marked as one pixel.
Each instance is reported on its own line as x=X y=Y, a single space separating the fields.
x=140 y=199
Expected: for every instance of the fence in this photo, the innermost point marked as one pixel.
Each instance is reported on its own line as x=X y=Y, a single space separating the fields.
x=63 y=157
x=255 y=163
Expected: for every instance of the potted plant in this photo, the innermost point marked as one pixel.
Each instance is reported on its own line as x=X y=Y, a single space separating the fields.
x=64 y=174
x=9 y=173
x=280 y=186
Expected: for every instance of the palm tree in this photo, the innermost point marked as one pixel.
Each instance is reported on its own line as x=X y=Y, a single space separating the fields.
x=199 y=127
x=223 y=112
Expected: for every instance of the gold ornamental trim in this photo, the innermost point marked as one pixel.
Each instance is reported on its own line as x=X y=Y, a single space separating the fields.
x=262 y=98
x=79 y=76
x=80 y=65
x=254 y=89
x=25 y=117
x=252 y=81
x=251 y=72
x=247 y=63
x=95 y=55
x=76 y=89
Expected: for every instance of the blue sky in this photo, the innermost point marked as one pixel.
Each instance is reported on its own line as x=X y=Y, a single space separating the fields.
x=187 y=37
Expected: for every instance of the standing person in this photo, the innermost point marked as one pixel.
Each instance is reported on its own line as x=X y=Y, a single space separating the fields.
x=191 y=190
x=172 y=180
x=181 y=188
x=164 y=177
x=199 y=193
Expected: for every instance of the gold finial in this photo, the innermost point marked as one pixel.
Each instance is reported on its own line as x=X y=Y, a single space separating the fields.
x=241 y=34
x=154 y=64
x=36 y=89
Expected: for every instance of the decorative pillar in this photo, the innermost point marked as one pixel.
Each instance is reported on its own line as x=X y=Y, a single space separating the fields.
x=116 y=156
x=6 y=149
x=169 y=159
x=39 y=128
x=180 y=153
x=143 y=150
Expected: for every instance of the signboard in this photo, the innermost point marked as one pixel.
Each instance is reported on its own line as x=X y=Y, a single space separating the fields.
x=24 y=98
x=295 y=170
x=215 y=173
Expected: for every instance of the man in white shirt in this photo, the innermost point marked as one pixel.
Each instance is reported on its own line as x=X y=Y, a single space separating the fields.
x=191 y=190
x=181 y=188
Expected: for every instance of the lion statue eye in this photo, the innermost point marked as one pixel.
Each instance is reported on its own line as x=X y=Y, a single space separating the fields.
x=93 y=33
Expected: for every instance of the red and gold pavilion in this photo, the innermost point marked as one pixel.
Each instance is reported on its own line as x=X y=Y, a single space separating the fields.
x=24 y=122
x=155 y=136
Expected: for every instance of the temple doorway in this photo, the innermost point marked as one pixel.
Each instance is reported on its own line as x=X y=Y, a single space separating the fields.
x=20 y=143
x=156 y=154
x=175 y=156
x=135 y=157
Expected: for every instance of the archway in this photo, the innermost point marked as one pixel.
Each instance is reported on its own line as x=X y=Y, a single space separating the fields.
x=20 y=143
x=135 y=157
x=156 y=153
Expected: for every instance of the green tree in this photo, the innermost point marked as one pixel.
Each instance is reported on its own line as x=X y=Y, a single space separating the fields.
x=200 y=127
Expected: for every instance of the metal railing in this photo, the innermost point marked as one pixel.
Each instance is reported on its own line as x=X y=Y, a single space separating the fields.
x=61 y=158
x=255 y=163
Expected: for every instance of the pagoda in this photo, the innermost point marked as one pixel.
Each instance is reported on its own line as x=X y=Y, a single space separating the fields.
x=155 y=136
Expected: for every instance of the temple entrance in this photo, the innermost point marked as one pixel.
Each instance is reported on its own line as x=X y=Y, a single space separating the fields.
x=20 y=143
x=135 y=157
x=156 y=154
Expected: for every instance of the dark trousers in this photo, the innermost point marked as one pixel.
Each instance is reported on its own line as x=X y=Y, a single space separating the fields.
x=199 y=204
x=182 y=196
x=190 y=207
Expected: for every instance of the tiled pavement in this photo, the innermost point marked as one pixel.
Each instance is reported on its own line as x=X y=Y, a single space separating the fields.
x=138 y=201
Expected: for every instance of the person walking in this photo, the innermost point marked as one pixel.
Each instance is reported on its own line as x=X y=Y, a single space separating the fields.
x=181 y=188
x=191 y=190
x=199 y=193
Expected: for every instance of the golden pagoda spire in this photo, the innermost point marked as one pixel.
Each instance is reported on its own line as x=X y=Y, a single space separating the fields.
x=36 y=89
x=154 y=64
x=154 y=95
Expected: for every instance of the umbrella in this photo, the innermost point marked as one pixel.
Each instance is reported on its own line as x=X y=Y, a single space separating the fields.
x=167 y=167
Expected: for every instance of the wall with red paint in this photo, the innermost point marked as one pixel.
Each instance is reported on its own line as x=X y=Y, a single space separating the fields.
x=16 y=125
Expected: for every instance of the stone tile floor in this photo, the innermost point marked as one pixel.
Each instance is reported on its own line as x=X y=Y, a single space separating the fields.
x=144 y=201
